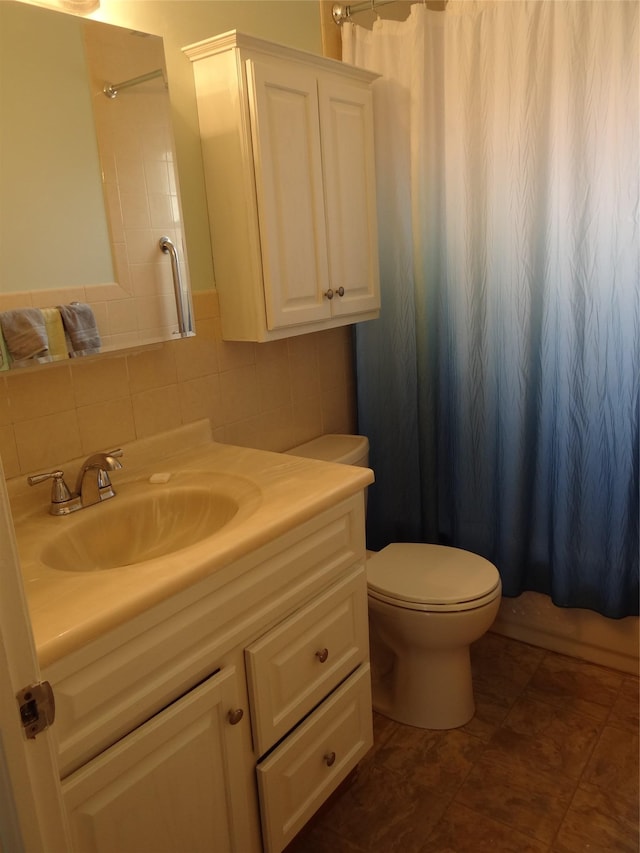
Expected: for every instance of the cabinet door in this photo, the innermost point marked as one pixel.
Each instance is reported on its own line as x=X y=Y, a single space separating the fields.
x=346 y=121
x=283 y=106
x=175 y=783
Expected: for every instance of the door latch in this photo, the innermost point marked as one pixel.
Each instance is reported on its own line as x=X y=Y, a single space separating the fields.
x=37 y=708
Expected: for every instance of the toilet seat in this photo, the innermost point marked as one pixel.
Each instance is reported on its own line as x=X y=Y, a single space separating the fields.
x=433 y=578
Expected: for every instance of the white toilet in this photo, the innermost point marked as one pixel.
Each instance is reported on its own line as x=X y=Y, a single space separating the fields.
x=427 y=604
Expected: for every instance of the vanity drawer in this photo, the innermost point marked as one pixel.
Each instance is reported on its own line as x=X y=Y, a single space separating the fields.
x=293 y=667
x=301 y=773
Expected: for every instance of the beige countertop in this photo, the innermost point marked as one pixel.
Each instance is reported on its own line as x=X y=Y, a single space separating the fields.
x=276 y=492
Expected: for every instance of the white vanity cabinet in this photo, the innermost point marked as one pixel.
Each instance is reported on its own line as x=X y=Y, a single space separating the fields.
x=221 y=718
x=289 y=164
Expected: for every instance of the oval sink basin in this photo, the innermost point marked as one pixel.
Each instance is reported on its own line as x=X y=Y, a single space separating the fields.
x=135 y=528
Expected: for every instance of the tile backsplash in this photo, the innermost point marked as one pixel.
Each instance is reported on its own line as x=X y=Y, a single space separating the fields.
x=270 y=396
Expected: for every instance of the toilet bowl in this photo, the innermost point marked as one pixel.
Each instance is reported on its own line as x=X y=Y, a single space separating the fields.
x=427 y=604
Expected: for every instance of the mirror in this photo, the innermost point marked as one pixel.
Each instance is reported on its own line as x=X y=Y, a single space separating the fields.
x=90 y=209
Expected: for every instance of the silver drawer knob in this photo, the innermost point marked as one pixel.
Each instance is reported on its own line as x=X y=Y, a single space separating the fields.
x=322 y=655
x=329 y=293
x=235 y=716
x=329 y=758
x=340 y=291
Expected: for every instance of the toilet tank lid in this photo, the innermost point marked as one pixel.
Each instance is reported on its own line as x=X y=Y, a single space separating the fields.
x=347 y=449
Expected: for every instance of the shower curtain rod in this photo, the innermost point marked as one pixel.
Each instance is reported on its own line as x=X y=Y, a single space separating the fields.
x=341 y=12
x=111 y=89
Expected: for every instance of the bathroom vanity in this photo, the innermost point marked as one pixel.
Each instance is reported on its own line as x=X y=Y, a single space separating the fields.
x=212 y=697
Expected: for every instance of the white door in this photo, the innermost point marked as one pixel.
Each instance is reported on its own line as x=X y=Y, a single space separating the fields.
x=346 y=124
x=283 y=104
x=31 y=813
x=174 y=783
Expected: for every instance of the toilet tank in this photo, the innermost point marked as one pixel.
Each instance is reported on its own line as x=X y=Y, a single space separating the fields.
x=347 y=449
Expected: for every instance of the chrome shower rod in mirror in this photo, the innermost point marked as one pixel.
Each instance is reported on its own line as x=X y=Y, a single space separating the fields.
x=111 y=89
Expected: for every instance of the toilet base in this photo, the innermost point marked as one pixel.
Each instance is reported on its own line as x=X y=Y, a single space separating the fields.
x=428 y=694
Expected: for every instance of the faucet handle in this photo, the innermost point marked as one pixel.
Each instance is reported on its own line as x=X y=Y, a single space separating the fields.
x=59 y=491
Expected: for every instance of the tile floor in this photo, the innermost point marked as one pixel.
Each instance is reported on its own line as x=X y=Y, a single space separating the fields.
x=549 y=764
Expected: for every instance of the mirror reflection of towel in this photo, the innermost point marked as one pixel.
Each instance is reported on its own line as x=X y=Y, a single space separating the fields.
x=80 y=327
x=24 y=333
x=4 y=355
x=55 y=334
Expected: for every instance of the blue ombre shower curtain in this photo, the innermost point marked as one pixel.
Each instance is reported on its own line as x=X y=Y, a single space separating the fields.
x=500 y=387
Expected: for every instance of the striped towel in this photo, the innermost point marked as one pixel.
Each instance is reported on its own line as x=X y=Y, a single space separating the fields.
x=55 y=334
x=24 y=333
x=80 y=327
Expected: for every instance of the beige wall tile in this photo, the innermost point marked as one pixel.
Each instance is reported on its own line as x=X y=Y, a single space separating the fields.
x=338 y=411
x=60 y=296
x=9 y=452
x=120 y=317
x=304 y=366
x=151 y=368
x=156 y=410
x=205 y=304
x=197 y=356
x=274 y=380
x=5 y=408
x=273 y=395
x=40 y=392
x=130 y=172
x=45 y=443
x=276 y=428
x=135 y=210
x=233 y=354
x=100 y=380
x=143 y=279
x=245 y=433
x=334 y=356
x=268 y=431
x=141 y=246
x=156 y=312
x=306 y=421
x=239 y=394
x=200 y=398
x=104 y=426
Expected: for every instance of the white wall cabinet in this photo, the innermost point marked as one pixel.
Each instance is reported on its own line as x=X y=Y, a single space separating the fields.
x=223 y=717
x=289 y=163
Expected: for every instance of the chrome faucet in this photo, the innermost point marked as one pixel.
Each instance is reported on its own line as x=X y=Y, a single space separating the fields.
x=92 y=485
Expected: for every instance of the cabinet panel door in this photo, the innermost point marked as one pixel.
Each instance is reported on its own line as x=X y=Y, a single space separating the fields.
x=283 y=105
x=346 y=121
x=172 y=784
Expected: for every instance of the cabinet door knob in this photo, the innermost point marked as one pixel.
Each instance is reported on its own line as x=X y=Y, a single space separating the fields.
x=329 y=293
x=340 y=291
x=329 y=758
x=234 y=716
x=322 y=655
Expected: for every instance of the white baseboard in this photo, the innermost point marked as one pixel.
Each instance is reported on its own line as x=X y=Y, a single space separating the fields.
x=533 y=618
